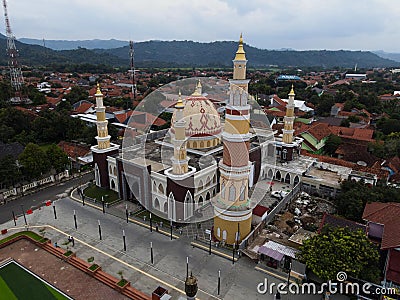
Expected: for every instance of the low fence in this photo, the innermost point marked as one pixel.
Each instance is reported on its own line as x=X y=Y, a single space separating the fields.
x=281 y=205
x=14 y=192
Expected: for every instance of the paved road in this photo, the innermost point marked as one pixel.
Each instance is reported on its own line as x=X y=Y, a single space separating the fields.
x=36 y=199
x=238 y=281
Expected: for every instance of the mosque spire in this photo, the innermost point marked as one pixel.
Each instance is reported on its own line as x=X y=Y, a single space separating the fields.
x=198 y=89
x=240 y=54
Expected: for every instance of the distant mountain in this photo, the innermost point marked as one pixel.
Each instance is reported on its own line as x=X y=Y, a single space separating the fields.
x=70 y=45
x=388 y=55
x=189 y=53
x=192 y=54
x=35 y=55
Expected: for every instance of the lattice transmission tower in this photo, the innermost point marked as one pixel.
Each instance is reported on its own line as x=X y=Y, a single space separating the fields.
x=132 y=70
x=16 y=77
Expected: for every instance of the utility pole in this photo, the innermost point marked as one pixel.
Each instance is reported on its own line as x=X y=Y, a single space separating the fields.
x=132 y=70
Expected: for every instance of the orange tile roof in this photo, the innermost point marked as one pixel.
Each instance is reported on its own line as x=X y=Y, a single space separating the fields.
x=388 y=215
x=81 y=109
x=74 y=150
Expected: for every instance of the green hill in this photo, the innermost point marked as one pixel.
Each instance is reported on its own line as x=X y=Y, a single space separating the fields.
x=191 y=54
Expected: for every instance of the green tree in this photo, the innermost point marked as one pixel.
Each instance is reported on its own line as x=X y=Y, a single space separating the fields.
x=332 y=143
x=34 y=161
x=338 y=249
x=9 y=171
x=57 y=158
x=76 y=94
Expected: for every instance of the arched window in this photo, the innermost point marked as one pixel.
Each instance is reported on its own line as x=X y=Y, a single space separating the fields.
x=188 y=209
x=232 y=193
x=296 y=180
x=154 y=186
x=200 y=184
x=270 y=174
x=224 y=234
x=110 y=169
x=157 y=204
x=201 y=144
x=201 y=201
x=194 y=144
x=208 y=181
x=215 y=178
x=115 y=170
x=242 y=193
x=208 y=196
x=218 y=232
x=278 y=175
x=112 y=184
x=160 y=189
x=287 y=178
x=166 y=206
x=208 y=144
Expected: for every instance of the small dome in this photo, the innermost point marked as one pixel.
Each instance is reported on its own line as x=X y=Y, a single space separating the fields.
x=203 y=123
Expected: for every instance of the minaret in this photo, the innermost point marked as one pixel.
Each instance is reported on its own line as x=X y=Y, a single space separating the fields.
x=103 y=139
x=232 y=221
x=180 y=160
x=289 y=119
x=104 y=148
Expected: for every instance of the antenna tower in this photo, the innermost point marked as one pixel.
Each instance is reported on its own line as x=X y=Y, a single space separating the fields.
x=132 y=70
x=17 y=80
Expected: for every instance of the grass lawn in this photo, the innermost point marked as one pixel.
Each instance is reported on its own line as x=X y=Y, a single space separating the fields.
x=17 y=283
x=31 y=234
x=96 y=193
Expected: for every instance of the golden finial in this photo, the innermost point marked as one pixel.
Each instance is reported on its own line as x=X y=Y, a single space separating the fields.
x=292 y=91
x=179 y=102
x=240 y=54
x=98 y=92
x=198 y=89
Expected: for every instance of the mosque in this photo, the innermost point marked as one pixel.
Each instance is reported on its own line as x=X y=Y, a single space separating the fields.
x=204 y=165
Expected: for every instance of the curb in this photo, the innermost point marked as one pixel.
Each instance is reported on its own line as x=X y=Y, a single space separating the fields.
x=277 y=276
x=221 y=254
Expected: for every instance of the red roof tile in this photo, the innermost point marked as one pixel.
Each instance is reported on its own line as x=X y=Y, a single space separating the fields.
x=393 y=269
x=388 y=215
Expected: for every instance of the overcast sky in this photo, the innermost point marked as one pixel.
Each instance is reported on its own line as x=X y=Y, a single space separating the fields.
x=268 y=24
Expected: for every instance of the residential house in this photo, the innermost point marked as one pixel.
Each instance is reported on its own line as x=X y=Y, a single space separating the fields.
x=383 y=225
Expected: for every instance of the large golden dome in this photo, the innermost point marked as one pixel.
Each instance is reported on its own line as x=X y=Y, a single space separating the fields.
x=203 y=123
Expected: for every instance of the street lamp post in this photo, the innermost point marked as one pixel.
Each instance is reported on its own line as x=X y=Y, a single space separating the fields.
x=151 y=224
x=23 y=212
x=102 y=202
x=126 y=213
x=15 y=222
x=54 y=211
x=151 y=253
x=219 y=282
x=233 y=253
x=171 y=228
x=124 y=239
x=187 y=266
x=99 y=230
x=76 y=224
x=209 y=247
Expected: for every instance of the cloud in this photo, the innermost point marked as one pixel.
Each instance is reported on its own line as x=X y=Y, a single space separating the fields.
x=300 y=24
